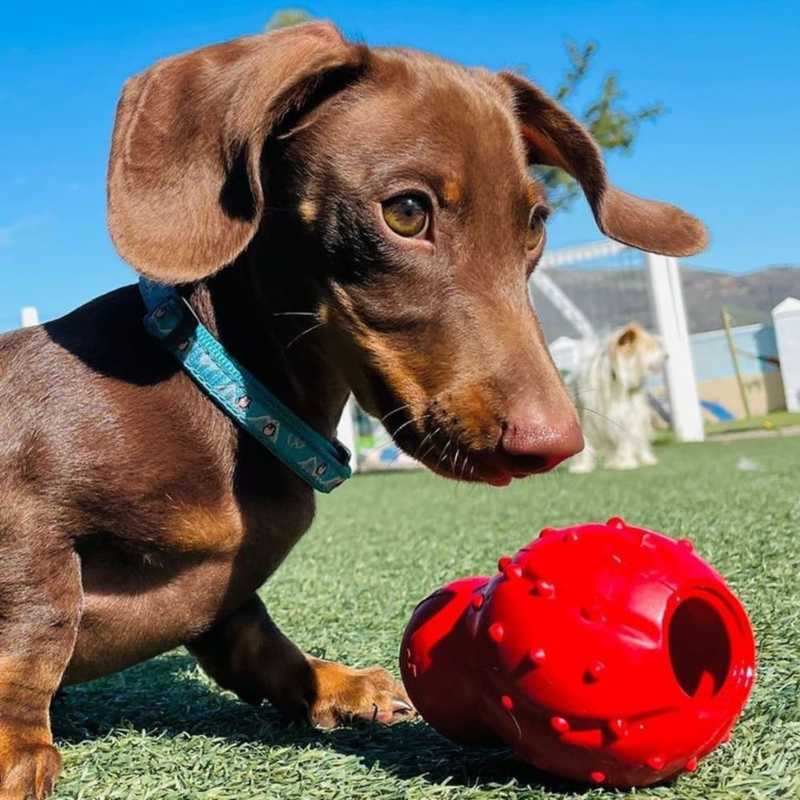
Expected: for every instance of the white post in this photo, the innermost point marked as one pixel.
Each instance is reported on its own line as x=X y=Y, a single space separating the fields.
x=346 y=432
x=670 y=311
x=786 y=318
x=29 y=317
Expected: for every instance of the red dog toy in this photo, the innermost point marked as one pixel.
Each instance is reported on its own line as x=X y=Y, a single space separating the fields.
x=602 y=653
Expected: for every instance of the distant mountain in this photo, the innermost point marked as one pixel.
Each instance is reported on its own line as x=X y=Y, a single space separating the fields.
x=611 y=298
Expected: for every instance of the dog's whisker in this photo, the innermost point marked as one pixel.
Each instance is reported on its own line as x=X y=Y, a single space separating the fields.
x=295 y=314
x=429 y=437
x=575 y=395
x=303 y=333
x=378 y=446
x=444 y=451
x=431 y=448
x=401 y=427
x=407 y=423
x=397 y=457
x=394 y=411
x=375 y=448
x=386 y=467
x=454 y=462
x=464 y=466
x=381 y=445
x=612 y=421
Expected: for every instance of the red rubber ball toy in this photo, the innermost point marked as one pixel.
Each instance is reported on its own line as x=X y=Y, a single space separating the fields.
x=603 y=653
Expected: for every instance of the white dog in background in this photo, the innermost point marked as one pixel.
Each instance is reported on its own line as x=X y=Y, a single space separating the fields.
x=609 y=391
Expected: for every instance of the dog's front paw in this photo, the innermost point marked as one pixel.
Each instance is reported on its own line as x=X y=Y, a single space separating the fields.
x=648 y=459
x=27 y=771
x=581 y=467
x=622 y=463
x=344 y=694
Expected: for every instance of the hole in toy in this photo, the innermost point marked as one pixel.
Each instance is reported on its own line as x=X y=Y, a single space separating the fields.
x=699 y=648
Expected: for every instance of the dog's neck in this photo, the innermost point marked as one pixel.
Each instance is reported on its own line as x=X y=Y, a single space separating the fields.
x=273 y=333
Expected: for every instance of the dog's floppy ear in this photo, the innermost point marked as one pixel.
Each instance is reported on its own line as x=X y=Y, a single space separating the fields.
x=628 y=335
x=184 y=181
x=554 y=138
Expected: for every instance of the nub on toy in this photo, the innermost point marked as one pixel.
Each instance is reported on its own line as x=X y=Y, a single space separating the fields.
x=603 y=653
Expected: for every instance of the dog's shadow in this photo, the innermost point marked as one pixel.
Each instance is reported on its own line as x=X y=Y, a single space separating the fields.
x=167 y=696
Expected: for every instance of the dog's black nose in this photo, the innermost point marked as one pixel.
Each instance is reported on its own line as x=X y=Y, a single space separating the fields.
x=530 y=433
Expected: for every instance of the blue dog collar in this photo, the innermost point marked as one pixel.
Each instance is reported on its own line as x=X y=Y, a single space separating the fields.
x=323 y=464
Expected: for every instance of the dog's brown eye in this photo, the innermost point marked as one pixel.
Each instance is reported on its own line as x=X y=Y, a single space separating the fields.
x=535 y=231
x=406 y=215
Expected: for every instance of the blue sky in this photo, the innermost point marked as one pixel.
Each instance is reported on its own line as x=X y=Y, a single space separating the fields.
x=728 y=149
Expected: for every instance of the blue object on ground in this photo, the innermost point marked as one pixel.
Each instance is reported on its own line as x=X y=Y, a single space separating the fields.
x=720 y=412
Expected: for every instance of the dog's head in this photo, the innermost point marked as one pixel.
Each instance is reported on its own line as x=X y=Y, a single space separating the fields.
x=400 y=186
x=635 y=354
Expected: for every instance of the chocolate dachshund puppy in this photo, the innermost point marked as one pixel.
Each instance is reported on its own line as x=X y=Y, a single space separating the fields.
x=341 y=219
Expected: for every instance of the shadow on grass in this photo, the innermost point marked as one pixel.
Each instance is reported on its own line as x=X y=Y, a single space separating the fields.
x=166 y=697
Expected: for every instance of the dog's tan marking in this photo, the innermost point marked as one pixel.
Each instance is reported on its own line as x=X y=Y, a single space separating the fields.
x=206 y=529
x=16 y=737
x=308 y=211
x=343 y=693
x=400 y=375
x=452 y=192
x=28 y=761
x=18 y=677
x=403 y=370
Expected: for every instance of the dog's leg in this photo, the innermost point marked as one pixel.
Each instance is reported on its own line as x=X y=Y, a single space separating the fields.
x=624 y=459
x=249 y=655
x=40 y=608
x=646 y=456
x=644 y=442
x=623 y=455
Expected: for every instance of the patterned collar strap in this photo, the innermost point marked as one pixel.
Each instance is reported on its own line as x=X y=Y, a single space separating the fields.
x=322 y=463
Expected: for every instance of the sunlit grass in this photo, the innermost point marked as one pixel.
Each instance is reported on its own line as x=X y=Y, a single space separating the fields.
x=381 y=543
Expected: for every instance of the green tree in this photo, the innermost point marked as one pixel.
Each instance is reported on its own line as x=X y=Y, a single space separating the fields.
x=287 y=17
x=613 y=126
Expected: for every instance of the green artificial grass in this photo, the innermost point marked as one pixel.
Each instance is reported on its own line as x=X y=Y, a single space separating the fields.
x=381 y=543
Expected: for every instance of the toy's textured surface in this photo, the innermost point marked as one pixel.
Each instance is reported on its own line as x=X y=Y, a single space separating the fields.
x=603 y=653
